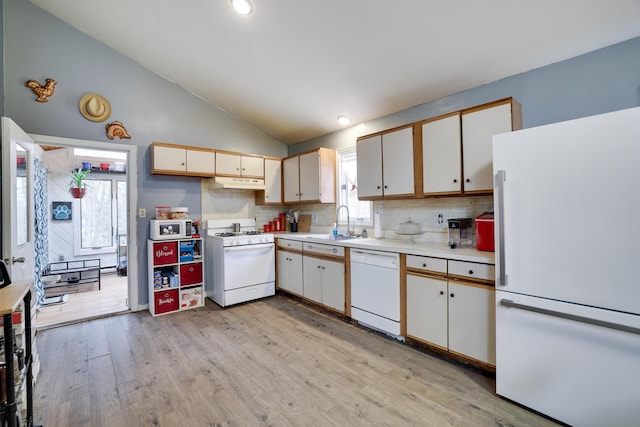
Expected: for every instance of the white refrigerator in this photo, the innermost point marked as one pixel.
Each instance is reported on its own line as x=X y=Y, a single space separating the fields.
x=567 y=225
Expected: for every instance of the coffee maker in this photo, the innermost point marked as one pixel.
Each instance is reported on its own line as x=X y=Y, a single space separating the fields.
x=460 y=232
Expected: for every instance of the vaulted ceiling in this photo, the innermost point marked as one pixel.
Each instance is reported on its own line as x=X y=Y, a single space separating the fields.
x=291 y=67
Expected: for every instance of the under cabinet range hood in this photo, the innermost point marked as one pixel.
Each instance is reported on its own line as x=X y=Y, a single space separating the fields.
x=237 y=183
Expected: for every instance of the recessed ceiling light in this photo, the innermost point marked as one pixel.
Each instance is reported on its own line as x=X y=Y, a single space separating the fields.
x=344 y=120
x=243 y=7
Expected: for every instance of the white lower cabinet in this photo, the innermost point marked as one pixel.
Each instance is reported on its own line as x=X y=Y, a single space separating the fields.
x=323 y=281
x=454 y=315
x=427 y=309
x=472 y=319
x=290 y=271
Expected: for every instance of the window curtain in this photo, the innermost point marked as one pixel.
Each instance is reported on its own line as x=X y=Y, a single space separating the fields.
x=41 y=224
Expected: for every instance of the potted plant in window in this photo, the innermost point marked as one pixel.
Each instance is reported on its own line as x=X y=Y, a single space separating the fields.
x=78 y=185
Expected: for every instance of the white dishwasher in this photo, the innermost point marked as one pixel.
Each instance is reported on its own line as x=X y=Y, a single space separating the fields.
x=375 y=290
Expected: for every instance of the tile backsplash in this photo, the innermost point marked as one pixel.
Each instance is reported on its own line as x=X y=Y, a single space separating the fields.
x=227 y=203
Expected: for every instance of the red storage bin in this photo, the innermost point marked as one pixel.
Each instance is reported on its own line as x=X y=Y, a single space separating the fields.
x=166 y=301
x=190 y=274
x=165 y=253
x=484 y=232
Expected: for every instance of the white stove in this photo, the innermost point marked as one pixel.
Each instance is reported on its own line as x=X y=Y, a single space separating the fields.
x=241 y=263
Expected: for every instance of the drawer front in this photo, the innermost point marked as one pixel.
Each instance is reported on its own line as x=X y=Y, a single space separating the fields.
x=190 y=274
x=425 y=263
x=320 y=249
x=165 y=253
x=289 y=244
x=472 y=270
x=165 y=301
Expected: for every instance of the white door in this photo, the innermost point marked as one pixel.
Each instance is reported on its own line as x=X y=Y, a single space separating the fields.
x=17 y=201
x=397 y=163
x=310 y=176
x=291 y=176
x=441 y=155
x=369 y=160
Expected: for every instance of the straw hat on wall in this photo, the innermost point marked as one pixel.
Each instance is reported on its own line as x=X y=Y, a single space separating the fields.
x=94 y=107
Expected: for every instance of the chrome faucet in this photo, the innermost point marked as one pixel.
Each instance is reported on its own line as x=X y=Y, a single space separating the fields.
x=348 y=218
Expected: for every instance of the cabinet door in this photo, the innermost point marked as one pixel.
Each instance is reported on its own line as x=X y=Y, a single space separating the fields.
x=369 y=165
x=228 y=164
x=427 y=309
x=273 y=181
x=291 y=175
x=312 y=278
x=397 y=163
x=441 y=156
x=252 y=166
x=169 y=159
x=310 y=176
x=472 y=321
x=201 y=162
x=333 y=285
x=478 y=128
x=290 y=272
x=295 y=276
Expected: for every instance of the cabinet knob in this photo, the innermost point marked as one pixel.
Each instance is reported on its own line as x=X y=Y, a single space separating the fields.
x=385 y=187
x=441 y=292
x=467 y=180
x=424 y=265
x=378 y=187
x=323 y=268
x=319 y=267
x=470 y=271
x=452 y=295
x=455 y=180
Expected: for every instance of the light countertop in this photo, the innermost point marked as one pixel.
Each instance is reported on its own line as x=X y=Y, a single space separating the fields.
x=438 y=250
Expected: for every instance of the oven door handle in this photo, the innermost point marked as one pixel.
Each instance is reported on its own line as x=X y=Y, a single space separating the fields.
x=244 y=248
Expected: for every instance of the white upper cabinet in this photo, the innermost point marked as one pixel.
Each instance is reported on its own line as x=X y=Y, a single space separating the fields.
x=479 y=124
x=310 y=177
x=233 y=164
x=441 y=155
x=291 y=177
x=170 y=159
x=369 y=164
x=272 y=194
x=385 y=165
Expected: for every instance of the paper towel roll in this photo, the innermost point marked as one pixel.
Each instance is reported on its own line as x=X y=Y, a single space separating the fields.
x=377 y=224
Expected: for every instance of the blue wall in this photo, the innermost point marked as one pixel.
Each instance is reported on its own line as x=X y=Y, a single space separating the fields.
x=598 y=82
x=38 y=45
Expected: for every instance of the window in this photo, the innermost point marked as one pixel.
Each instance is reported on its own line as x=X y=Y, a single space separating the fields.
x=359 y=211
x=102 y=212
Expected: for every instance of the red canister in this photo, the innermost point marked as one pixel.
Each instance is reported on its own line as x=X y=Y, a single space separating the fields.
x=484 y=232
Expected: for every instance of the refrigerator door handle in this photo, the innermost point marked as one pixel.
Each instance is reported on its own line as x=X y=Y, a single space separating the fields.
x=499 y=179
x=575 y=318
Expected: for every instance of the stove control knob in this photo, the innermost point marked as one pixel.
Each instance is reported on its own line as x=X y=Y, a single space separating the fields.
x=249 y=241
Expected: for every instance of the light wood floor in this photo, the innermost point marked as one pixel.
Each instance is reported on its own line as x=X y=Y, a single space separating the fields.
x=112 y=298
x=270 y=362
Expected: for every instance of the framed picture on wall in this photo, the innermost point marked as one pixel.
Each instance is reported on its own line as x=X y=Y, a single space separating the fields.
x=60 y=211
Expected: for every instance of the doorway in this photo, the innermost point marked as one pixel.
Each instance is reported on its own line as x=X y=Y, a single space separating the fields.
x=97 y=228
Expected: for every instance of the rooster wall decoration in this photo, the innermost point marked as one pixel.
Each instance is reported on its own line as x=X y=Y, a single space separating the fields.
x=43 y=92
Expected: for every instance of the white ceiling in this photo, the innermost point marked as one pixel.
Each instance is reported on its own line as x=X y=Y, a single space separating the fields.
x=292 y=66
